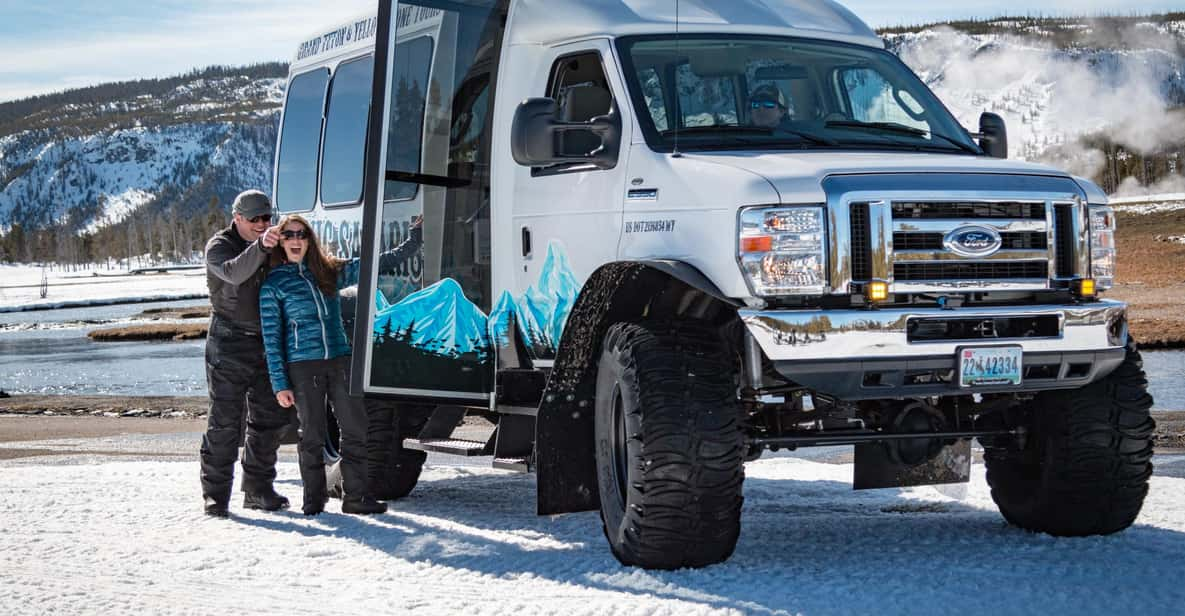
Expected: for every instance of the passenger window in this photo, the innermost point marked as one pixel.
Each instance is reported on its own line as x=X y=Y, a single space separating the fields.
x=706 y=100
x=300 y=142
x=578 y=84
x=655 y=99
x=409 y=84
x=345 y=133
x=872 y=99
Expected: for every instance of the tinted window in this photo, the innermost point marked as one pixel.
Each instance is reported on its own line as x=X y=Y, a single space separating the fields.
x=345 y=132
x=750 y=92
x=409 y=87
x=300 y=142
x=874 y=99
x=705 y=100
x=651 y=87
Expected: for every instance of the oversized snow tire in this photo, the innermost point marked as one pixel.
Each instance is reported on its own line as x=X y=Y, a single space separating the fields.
x=668 y=445
x=1087 y=459
x=401 y=477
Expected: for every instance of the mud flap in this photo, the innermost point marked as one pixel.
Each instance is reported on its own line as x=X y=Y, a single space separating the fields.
x=878 y=467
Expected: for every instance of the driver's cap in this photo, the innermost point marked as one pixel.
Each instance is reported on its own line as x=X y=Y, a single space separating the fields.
x=768 y=92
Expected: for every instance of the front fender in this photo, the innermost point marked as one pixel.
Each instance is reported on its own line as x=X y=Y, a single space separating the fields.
x=565 y=459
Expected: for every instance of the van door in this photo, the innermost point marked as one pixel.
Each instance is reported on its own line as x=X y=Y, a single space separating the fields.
x=430 y=149
x=568 y=217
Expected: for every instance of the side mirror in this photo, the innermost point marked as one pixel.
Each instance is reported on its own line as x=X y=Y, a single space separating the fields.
x=534 y=136
x=993 y=135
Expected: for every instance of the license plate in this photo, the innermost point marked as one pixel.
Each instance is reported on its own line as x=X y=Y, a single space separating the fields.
x=979 y=366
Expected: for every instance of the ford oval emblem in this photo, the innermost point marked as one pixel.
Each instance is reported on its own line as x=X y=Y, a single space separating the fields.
x=973 y=241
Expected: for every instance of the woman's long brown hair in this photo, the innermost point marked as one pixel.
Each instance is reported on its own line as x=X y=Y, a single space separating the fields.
x=324 y=267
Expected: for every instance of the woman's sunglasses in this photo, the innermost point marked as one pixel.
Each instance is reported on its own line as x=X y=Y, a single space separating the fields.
x=294 y=235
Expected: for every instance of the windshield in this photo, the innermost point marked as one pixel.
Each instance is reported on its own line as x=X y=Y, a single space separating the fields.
x=725 y=92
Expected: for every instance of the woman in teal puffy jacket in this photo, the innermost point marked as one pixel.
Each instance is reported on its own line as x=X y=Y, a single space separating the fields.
x=308 y=359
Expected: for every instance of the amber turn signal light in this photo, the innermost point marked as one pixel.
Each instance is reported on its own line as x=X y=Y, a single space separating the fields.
x=760 y=243
x=1085 y=287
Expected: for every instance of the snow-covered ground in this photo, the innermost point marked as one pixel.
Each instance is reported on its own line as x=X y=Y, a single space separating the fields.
x=96 y=534
x=20 y=287
x=1150 y=204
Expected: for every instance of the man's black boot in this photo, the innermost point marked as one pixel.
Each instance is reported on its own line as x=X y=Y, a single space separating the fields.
x=267 y=500
x=364 y=505
x=215 y=508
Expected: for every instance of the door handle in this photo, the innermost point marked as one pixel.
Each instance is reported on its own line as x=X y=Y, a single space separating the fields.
x=526 y=241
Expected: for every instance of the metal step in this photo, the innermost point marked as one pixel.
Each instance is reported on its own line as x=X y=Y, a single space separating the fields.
x=520 y=465
x=517 y=410
x=456 y=447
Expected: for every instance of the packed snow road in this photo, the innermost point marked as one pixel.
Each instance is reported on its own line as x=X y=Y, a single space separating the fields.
x=88 y=533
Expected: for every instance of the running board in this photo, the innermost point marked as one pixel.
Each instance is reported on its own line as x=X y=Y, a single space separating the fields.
x=456 y=447
x=520 y=465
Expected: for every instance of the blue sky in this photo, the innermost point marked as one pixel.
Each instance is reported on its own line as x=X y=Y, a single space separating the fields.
x=52 y=45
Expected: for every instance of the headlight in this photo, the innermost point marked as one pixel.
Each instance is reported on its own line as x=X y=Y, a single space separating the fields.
x=782 y=250
x=1102 y=246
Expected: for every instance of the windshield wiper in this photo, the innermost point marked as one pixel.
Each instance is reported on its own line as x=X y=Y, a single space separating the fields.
x=893 y=127
x=751 y=130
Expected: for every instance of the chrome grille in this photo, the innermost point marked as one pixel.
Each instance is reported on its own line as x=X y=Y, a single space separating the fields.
x=968 y=209
x=1006 y=270
x=922 y=260
x=1064 y=234
x=861 y=254
x=918 y=232
x=1025 y=240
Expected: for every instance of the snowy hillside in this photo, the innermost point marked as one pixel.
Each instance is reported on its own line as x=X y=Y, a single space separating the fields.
x=86 y=159
x=1084 y=95
x=1102 y=98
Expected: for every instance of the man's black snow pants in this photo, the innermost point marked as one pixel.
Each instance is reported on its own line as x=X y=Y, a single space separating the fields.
x=237 y=376
x=313 y=382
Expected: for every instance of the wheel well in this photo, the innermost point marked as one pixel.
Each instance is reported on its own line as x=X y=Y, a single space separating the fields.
x=565 y=460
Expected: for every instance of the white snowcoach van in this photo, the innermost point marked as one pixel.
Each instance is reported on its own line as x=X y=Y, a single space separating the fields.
x=661 y=238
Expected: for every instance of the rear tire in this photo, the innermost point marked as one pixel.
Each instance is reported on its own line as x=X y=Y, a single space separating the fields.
x=668 y=445
x=1087 y=458
x=401 y=476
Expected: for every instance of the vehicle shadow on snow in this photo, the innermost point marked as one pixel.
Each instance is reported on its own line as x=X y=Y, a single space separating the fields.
x=806 y=546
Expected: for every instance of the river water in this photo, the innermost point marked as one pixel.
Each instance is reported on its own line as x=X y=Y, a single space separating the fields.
x=48 y=353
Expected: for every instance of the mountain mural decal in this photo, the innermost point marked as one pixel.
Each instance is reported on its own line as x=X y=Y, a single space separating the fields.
x=541 y=312
x=437 y=339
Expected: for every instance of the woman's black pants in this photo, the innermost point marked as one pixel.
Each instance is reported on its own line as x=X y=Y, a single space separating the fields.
x=314 y=382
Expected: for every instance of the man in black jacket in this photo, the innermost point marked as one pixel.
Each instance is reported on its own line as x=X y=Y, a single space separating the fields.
x=236 y=265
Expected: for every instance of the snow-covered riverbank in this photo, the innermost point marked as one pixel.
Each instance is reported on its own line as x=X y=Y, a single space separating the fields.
x=20 y=287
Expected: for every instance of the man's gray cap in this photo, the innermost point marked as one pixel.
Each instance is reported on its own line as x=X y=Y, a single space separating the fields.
x=252 y=203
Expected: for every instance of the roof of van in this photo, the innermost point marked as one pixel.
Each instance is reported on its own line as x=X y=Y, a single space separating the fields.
x=552 y=21
x=344 y=39
x=534 y=22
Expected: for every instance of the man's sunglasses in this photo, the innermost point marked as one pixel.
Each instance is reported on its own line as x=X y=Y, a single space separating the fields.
x=763 y=105
x=261 y=218
x=294 y=235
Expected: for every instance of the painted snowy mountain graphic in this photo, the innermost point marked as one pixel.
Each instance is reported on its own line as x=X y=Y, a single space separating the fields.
x=437 y=339
x=439 y=319
x=432 y=339
x=542 y=310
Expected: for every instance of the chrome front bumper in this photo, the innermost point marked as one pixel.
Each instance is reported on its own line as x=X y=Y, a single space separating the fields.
x=861 y=354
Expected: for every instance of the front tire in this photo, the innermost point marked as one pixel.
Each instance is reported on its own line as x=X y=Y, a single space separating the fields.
x=1086 y=463
x=669 y=446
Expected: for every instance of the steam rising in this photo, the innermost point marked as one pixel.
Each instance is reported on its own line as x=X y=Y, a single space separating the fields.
x=1123 y=88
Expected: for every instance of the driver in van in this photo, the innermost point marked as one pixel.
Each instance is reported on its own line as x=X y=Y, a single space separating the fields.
x=767 y=107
